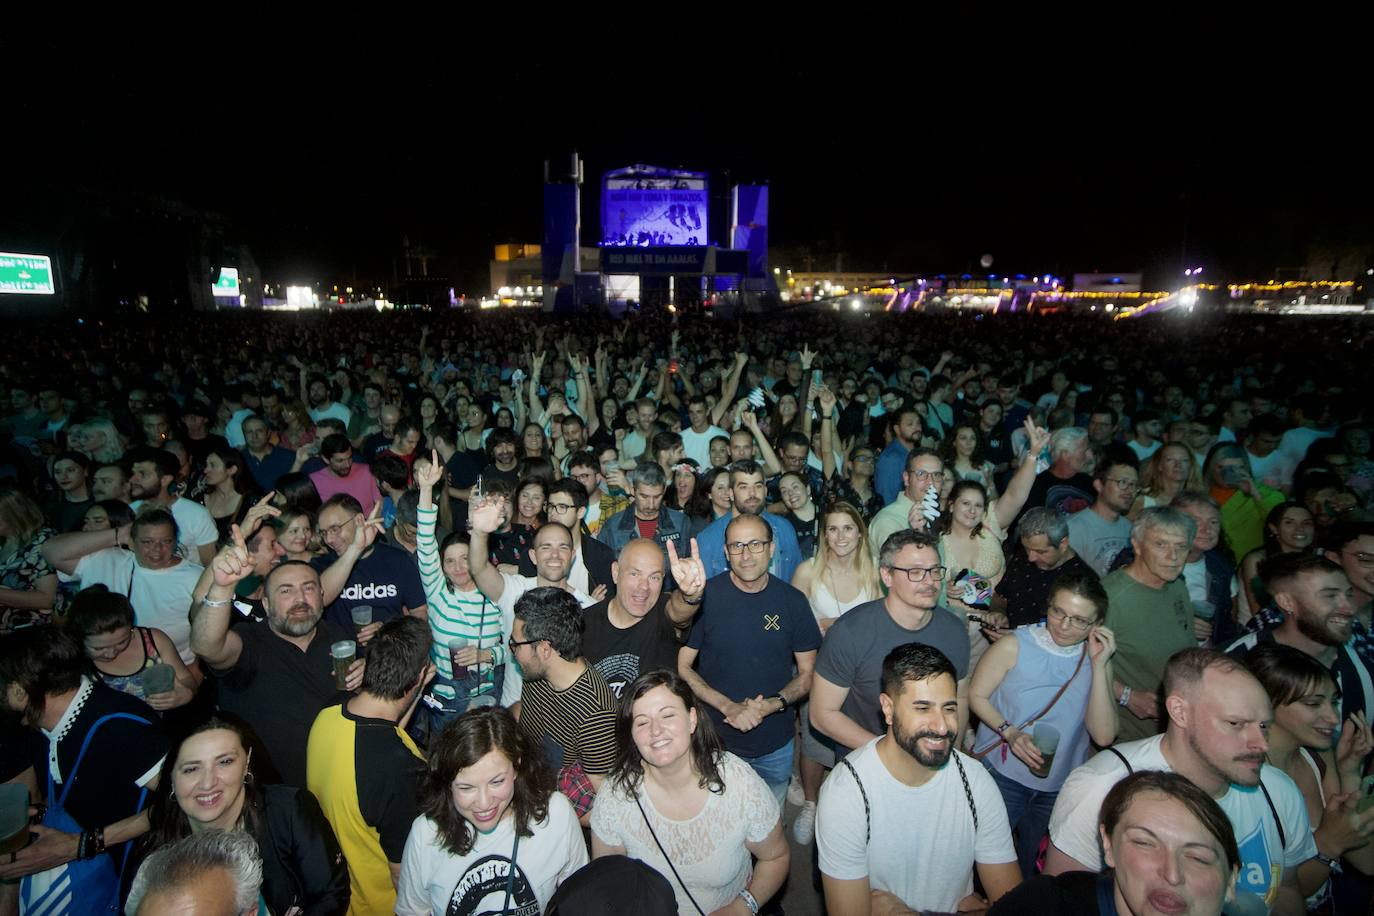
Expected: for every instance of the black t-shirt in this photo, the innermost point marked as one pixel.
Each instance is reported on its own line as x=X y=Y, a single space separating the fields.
x=387 y=775
x=1026 y=587
x=1073 y=893
x=200 y=449
x=460 y=472
x=511 y=546
x=622 y=655
x=104 y=787
x=1063 y=496
x=279 y=690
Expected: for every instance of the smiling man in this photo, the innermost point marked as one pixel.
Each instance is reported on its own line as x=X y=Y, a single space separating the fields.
x=1151 y=615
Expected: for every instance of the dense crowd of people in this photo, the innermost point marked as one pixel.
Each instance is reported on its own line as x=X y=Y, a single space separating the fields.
x=455 y=614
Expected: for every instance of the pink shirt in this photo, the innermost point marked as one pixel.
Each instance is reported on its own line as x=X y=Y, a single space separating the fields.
x=359 y=484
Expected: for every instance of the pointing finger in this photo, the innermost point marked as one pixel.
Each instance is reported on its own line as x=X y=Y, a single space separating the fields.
x=238 y=537
x=266 y=499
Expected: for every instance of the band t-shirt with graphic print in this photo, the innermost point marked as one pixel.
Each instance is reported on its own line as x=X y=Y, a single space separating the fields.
x=746 y=643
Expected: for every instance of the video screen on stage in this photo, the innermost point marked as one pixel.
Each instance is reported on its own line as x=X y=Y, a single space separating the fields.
x=654 y=209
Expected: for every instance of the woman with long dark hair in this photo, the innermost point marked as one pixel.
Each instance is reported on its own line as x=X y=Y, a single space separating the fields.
x=229 y=488
x=494 y=835
x=679 y=802
x=207 y=784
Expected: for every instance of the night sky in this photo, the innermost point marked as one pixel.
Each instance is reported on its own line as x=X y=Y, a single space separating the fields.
x=905 y=145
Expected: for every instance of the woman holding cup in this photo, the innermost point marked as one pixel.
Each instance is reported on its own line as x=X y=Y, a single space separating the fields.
x=139 y=661
x=1040 y=694
x=469 y=650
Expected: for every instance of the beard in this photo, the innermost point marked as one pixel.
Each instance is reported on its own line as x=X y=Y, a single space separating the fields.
x=1316 y=631
x=1228 y=769
x=293 y=627
x=911 y=743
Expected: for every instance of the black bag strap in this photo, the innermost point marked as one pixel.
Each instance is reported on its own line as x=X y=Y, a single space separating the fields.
x=666 y=858
x=510 y=879
x=868 y=819
x=968 y=790
x=1124 y=762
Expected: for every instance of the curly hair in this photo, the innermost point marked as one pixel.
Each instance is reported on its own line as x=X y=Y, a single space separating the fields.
x=553 y=616
x=462 y=743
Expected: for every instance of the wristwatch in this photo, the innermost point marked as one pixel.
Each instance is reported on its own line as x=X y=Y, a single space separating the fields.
x=1331 y=862
x=781 y=699
x=749 y=901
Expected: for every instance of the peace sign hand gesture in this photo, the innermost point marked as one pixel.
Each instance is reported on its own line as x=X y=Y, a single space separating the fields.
x=367 y=532
x=688 y=572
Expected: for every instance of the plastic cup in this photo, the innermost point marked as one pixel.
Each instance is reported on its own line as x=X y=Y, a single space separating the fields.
x=344 y=653
x=157 y=679
x=362 y=615
x=454 y=647
x=1046 y=738
x=1246 y=904
x=14 y=817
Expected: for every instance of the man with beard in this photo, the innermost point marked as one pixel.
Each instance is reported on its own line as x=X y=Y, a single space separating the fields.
x=904 y=428
x=754 y=632
x=931 y=815
x=1217 y=716
x=321 y=396
x=152 y=472
x=110 y=481
x=552 y=553
x=342 y=474
x=264 y=552
x=1101 y=531
x=382 y=577
x=279 y=677
x=1151 y=615
x=647 y=517
x=1315 y=595
x=1023 y=594
x=637 y=629
x=749 y=490
x=100 y=754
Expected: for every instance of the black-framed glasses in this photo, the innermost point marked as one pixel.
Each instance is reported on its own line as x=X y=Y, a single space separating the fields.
x=738 y=547
x=514 y=643
x=561 y=507
x=920 y=573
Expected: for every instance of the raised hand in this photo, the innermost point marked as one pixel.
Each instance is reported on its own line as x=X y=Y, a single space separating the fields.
x=430 y=474
x=1101 y=645
x=575 y=363
x=807 y=355
x=827 y=399
x=367 y=532
x=748 y=418
x=258 y=513
x=486 y=515
x=1037 y=437
x=688 y=572
x=232 y=565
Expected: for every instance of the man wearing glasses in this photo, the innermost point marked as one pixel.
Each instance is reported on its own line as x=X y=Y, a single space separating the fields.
x=382 y=577
x=924 y=469
x=844 y=700
x=1101 y=531
x=754 y=630
x=592 y=560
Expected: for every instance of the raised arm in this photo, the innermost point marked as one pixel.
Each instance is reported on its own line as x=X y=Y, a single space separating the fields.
x=828 y=464
x=211 y=637
x=639 y=382
x=771 y=465
x=1009 y=504
x=335 y=576
x=729 y=387
x=690 y=575
x=536 y=405
x=64 y=551
x=485 y=518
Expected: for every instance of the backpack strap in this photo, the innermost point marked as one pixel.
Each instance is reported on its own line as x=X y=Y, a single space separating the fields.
x=1278 y=822
x=1122 y=757
x=868 y=818
x=968 y=790
x=86 y=743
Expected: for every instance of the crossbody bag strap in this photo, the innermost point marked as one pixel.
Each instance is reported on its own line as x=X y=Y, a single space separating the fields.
x=666 y=857
x=868 y=817
x=1278 y=822
x=980 y=754
x=510 y=878
x=86 y=743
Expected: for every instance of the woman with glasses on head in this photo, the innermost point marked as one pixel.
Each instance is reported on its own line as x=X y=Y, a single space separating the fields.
x=120 y=652
x=679 y=802
x=1055 y=675
x=494 y=835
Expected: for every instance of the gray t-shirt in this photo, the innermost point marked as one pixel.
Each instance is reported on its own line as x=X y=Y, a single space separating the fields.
x=854 y=648
x=1097 y=540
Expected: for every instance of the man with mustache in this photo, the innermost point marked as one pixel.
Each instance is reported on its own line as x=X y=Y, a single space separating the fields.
x=931 y=814
x=1315 y=595
x=1217 y=715
x=276 y=677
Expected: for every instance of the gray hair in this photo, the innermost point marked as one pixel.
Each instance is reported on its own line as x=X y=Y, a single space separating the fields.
x=189 y=859
x=1190 y=499
x=648 y=474
x=1066 y=440
x=1041 y=520
x=1163 y=517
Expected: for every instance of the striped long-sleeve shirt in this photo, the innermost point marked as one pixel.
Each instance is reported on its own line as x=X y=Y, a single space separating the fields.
x=453 y=614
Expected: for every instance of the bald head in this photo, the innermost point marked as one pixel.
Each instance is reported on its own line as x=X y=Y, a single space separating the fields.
x=747 y=528
x=639 y=575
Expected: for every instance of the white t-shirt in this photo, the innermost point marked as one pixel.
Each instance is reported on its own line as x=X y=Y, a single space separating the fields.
x=922 y=845
x=1144 y=452
x=1297 y=441
x=434 y=880
x=335 y=410
x=1274 y=469
x=1073 y=825
x=513 y=681
x=697 y=446
x=233 y=430
x=708 y=850
x=195 y=526
x=161 y=597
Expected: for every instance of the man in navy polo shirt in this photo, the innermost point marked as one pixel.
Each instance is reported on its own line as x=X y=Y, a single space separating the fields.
x=739 y=660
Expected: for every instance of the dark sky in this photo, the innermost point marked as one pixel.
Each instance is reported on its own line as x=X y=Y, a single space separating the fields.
x=906 y=145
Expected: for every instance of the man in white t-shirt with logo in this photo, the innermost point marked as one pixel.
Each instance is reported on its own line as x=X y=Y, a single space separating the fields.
x=906 y=819
x=151 y=474
x=552 y=553
x=1217 y=715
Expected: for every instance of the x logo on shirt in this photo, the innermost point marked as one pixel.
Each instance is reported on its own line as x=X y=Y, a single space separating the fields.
x=770 y=622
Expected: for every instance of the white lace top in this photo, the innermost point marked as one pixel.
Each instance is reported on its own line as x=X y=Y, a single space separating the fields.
x=707 y=850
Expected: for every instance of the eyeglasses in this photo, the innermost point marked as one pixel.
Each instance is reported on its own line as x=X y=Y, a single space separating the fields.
x=736 y=548
x=335 y=530
x=514 y=644
x=920 y=573
x=858 y=458
x=928 y=475
x=1075 y=623
x=561 y=507
x=1123 y=483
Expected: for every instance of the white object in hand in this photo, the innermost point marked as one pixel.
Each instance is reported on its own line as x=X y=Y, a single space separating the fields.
x=756 y=398
x=517 y=376
x=930 y=505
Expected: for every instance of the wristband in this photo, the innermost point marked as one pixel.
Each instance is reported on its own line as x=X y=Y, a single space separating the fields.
x=749 y=901
x=781 y=699
x=1125 y=696
x=1331 y=862
x=208 y=602
x=1002 y=729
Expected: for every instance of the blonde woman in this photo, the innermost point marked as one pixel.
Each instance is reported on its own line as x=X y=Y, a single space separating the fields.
x=1170 y=471
x=841 y=576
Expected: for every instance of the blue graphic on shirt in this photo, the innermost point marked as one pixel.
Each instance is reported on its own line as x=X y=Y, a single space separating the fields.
x=1259 y=873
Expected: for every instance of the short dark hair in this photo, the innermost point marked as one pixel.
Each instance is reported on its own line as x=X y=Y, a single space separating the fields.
x=1348 y=532
x=793 y=438
x=404 y=427
x=166 y=463
x=443 y=428
x=914 y=661
x=151 y=517
x=906 y=537
x=553 y=616
x=464 y=742
x=664 y=442
x=44 y=661
x=116 y=510
x=1277 y=572
x=396 y=656
x=1186 y=667
x=96 y=609
x=583 y=459
x=340 y=428
x=1085 y=584
x=334 y=444
x=916 y=453
x=391 y=470
x=745 y=467
x=1199 y=804
x=345 y=501
x=501 y=435
x=571 y=489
